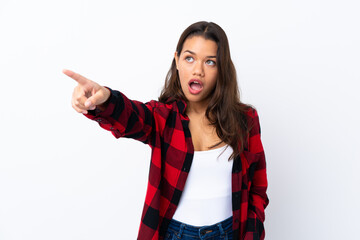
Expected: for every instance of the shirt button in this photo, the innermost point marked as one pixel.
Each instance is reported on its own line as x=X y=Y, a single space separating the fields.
x=236 y=220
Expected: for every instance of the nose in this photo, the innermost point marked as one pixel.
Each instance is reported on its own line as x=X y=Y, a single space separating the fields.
x=198 y=69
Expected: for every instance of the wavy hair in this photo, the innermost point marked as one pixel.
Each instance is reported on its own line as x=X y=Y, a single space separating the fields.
x=225 y=110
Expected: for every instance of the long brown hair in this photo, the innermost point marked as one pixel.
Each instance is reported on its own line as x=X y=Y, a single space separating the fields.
x=225 y=110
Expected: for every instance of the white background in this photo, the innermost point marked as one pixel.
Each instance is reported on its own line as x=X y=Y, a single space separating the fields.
x=63 y=177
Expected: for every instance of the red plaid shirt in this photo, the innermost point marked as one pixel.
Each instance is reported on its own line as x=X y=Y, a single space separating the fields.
x=164 y=127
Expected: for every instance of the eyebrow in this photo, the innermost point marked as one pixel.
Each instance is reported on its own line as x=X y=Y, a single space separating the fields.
x=195 y=54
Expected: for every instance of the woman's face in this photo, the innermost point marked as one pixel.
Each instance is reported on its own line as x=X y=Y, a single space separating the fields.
x=197 y=69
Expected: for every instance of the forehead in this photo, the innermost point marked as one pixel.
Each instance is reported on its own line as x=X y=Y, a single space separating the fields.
x=200 y=46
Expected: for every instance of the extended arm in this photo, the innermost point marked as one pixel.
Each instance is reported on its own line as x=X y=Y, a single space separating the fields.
x=125 y=117
x=112 y=109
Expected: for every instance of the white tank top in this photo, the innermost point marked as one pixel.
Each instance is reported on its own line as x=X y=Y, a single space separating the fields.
x=206 y=198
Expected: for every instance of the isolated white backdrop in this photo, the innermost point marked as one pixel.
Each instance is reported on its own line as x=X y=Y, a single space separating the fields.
x=63 y=177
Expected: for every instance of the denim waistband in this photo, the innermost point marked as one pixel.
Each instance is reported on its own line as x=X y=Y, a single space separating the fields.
x=203 y=232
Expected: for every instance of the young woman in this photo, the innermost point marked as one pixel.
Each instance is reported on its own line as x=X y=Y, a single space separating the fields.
x=207 y=175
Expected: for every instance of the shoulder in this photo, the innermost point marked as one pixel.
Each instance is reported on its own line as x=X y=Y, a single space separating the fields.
x=251 y=112
x=252 y=118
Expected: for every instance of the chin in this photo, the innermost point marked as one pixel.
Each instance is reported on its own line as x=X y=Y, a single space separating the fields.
x=196 y=99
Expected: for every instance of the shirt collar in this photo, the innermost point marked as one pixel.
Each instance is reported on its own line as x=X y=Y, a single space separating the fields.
x=181 y=104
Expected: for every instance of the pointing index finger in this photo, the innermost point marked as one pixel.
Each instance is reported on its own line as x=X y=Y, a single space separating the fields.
x=77 y=77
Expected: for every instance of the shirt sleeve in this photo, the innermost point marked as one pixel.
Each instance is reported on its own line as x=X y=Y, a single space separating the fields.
x=258 y=199
x=125 y=117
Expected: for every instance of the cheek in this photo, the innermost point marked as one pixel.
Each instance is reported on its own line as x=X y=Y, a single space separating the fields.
x=184 y=70
x=213 y=77
x=182 y=81
x=213 y=81
x=183 y=76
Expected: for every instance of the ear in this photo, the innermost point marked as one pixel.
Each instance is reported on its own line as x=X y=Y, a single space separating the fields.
x=176 y=57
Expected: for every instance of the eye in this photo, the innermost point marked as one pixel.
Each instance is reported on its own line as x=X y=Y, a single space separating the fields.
x=210 y=62
x=189 y=59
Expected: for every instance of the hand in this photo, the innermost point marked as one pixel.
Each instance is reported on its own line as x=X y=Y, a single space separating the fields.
x=87 y=94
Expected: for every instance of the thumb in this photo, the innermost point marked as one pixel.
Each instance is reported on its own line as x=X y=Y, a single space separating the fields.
x=94 y=100
x=89 y=104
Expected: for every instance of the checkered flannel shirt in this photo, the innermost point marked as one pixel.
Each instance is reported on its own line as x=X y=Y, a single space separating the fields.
x=164 y=127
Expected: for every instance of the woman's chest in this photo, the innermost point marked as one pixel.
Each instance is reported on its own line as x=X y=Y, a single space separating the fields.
x=203 y=136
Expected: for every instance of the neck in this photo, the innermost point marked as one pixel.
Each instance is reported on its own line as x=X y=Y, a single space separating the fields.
x=196 y=108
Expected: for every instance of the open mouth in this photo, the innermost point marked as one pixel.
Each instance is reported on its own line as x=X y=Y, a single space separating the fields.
x=195 y=86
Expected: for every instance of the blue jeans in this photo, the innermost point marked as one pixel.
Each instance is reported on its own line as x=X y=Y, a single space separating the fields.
x=178 y=230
